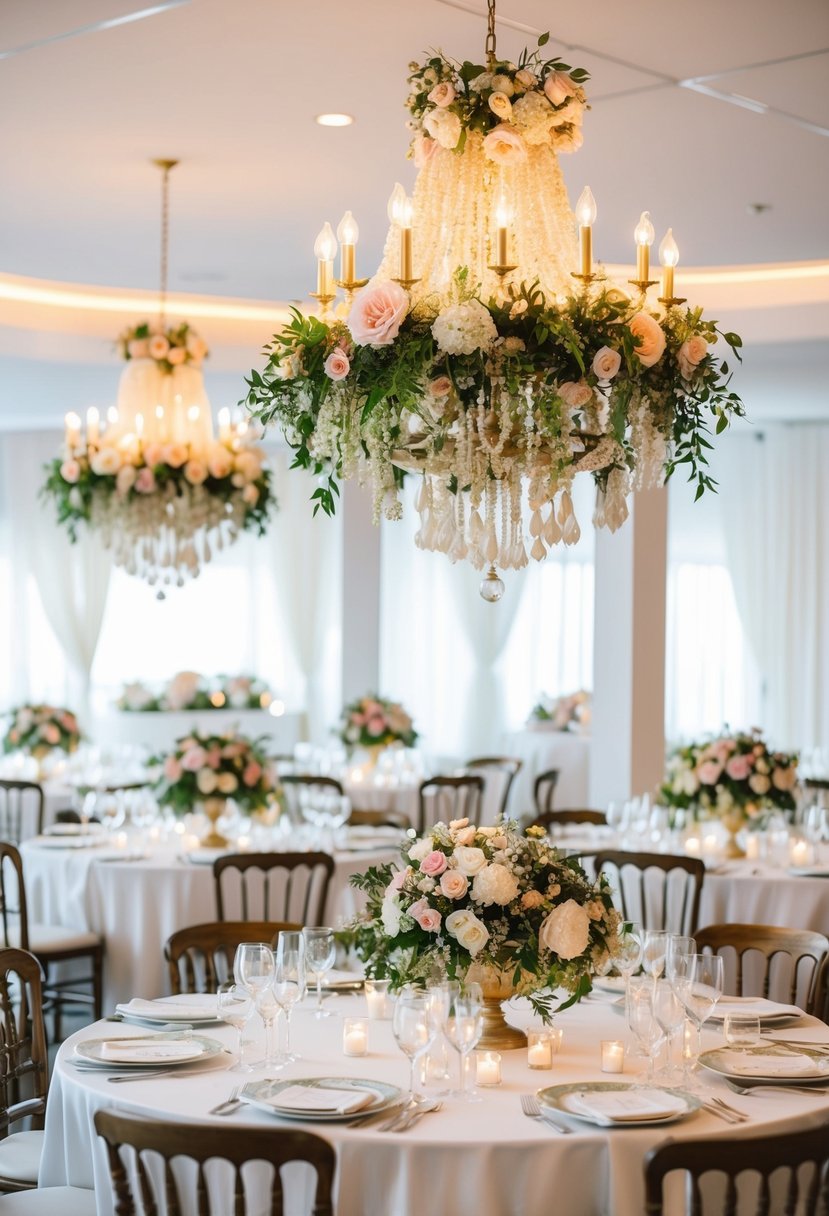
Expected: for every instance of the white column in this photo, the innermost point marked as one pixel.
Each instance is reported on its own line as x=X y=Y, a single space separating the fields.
x=628 y=720
x=360 y=594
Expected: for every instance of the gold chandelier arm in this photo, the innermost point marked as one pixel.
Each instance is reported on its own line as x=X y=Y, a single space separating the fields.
x=165 y=166
x=490 y=35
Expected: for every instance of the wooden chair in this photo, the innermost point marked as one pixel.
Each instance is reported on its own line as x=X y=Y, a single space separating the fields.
x=657 y=890
x=505 y=769
x=21 y=810
x=180 y=1192
x=443 y=799
x=552 y=819
x=544 y=788
x=200 y=957
x=51 y=944
x=23 y=1084
x=732 y=1157
x=787 y=964
x=273 y=886
x=380 y=819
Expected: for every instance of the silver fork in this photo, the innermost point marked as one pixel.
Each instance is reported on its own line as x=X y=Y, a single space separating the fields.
x=229 y=1105
x=748 y=1090
x=737 y=1116
x=424 y=1107
x=532 y=1109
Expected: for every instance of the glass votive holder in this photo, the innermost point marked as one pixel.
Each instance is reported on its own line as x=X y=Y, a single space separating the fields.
x=378 y=999
x=742 y=1029
x=541 y=1047
x=613 y=1055
x=355 y=1036
x=487 y=1068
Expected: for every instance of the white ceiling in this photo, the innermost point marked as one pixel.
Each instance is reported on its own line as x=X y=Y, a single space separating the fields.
x=232 y=89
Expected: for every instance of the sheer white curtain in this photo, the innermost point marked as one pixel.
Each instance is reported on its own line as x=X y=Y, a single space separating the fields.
x=776 y=518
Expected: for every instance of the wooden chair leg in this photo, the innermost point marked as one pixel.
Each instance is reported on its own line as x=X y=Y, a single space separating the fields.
x=98 y=982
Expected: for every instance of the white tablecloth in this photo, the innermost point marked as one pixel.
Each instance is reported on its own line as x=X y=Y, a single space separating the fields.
x=136 y=905
x=540 y=750
x=486 y=1159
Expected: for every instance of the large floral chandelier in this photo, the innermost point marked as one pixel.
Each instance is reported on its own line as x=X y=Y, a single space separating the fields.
x=151 y=479
x=489 y=353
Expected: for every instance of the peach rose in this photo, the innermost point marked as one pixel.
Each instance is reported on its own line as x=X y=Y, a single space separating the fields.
x=138 y=348
x=504 y=146
x=220 y=461
x=105 y=462
x=575 y=394
x=690 y=355
x=531 y=899
x=70 y=471
x=252 y=773
x=710 y=772
x=125 y=479
x=158 y=347
x=441 y=386
x=196 y=472
x=784 y=778
x=739 y=767
x=606 y=363
x=650 y=344
x=145 y=482
x=250 y=494
x=558 y=87
x=194 y=759
x=377 y=314
x=175 y=454
x=176 y=355
x=442 y=94
x=453 y=884
x=153 y=454
x=337 y=365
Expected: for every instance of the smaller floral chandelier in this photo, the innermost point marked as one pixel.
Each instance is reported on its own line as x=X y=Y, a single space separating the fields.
x=489 y=353
x=151 y=480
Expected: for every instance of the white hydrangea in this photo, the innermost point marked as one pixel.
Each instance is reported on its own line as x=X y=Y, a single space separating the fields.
x=464 y=328
x=534 y=117
x=444 y=126
x=495 y=885
x=390 y=915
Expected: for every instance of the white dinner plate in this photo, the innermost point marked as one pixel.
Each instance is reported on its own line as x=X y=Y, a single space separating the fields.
x=732 y=1062
x=93 y=840
x=264 y=1095
x=624 y=1097
x=770 y=1013
x=206 y=857
x=194 y=1009
x=609 y=983
x=73 y=829
x=814 y=871
x=192 y=1049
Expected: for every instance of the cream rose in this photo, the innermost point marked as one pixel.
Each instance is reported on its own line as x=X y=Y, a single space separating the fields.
x=759 y=784
x=207 y=781
x=504 y=146
x=467 y=930
x=442 y=94
x=158 y=347
x=196 y=472
x=420 y=849
x=444 y=127
x=441 y=386
x=105 y=462
x=377 y=314
x=558 y=87
x=227 y=783
x=469 y=861
x=250 y=494
x=566 y=931
x=453 y=884
x=606 y=363
x=650 y=337
x=175 y=454
x=575 y=393
x=495 y=884
x=500 y=105
x=526 y=78
x=176 y=355
x=220 y=461
x=125 y=479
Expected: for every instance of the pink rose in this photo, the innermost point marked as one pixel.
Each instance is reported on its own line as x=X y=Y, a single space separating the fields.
x=606 y=363
x=158 y=347
x=220 y=461
x=650 y=337
x=424 y=149
x=376 y=727
x=196 y=472
x=176 y=355
x=194 y=759
x=145 y=481
x=434 y=863
x=396 y=884
x=429 y=921
x=710 y=772
x=558 y=87
x=70 y=471
x=739 y=767
x=377 y=314
x=213 y=758
x=172 y=769
x=68 y=721
x=138 y=348
x=337 y=365
x=504 y=146
x=575 y=394
x=453 y=884
x=442 y=94
x=252 y=773
x=50 y=733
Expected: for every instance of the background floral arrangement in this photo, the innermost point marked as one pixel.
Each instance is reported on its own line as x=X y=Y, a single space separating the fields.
x=536 y=101
x=37 y=729
x=168 y=346
x=216 y=766
x=731 y=775
x=374 y=721
x=489 y=896
x=189 y=690
x=563 y=712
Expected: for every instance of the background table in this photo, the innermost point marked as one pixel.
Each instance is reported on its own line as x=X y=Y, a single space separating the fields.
x=540 y=750
x=486 y=1159
x=135 y=905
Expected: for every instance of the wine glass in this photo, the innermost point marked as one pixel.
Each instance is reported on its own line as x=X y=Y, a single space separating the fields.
x=320 y=952
x=654 y=948
x=642 y=1019
x=628 y=954
x=680 y=947
x=699 y=990
x=414 y=1028
x=464 y=1026
x=670 y=1014
x=253 y=966
x=235 y=1007
x=289 y=981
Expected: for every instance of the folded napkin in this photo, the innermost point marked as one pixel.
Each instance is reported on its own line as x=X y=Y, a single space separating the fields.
x=322 y=1101
x=335 y=978
x=625 y=1105
x=743 y=1064
x=197 y=1007
x=140 y=1051
x=758 y=1005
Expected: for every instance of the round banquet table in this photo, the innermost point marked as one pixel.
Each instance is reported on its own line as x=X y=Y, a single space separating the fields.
x=540 y=750
x=485 y=1158
x=135 y=902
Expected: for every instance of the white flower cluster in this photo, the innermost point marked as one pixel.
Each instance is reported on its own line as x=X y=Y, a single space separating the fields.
x=464 y=328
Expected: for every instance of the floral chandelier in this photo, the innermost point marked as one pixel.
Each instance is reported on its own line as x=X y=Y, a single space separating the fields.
x=151 y=480
x=489 y=353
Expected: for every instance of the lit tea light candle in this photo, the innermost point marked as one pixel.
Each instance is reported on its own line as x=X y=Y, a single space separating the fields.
x=243 y=844
x=613 y=1055
x=752 y=846
x=539 y=1049
x=355 y=1036
x=710 y=844
x=800 y=852
x=693 y=846
x=488 y=1067
x=377 y=999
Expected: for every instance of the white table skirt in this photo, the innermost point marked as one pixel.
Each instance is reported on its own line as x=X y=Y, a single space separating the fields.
x=540 y=750
x=485 y=1159
x=135 y=905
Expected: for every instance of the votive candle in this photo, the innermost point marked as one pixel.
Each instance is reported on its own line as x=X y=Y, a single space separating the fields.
x=488 y=1068
x=355 y=1036
x=539 y=1049
x=613 y=1055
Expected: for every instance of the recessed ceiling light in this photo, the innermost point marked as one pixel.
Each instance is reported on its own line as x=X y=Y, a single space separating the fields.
x=334 y=120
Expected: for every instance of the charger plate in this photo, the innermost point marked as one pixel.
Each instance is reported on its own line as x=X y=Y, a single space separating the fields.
x=564 y=1099
x=264 y=1095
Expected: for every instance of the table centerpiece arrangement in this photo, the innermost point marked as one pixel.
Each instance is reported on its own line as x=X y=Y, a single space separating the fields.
x=569 y=712
x=493 y=905
x=39 y=730
x=373 y=723
x=207 y=771
x=734 y=777
x=191 y=690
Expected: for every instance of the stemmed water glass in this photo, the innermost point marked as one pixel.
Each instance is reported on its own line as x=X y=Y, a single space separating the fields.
x=289 y=982
x=253 y=970
x=414 y=1028
x=464 y=1024
x=642 y=1019
x=670 y=1014
x=679 y=949
x=235 y=1007
x=654 y=948
x=699 y=989
x=320 y=953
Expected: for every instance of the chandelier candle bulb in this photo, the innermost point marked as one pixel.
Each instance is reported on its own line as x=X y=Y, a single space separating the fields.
x=668 y=256
x=161 y=424
x=503 y=218
x=325 y=250
x=224 y=425
x=613 y=1055
x=586 y=212
x=487 y=1068
x=112 y=416
x=644 y=235
x=348 y=234
x=93 y=428
x=355 y=1036
x=72 y=432
x=139 y=426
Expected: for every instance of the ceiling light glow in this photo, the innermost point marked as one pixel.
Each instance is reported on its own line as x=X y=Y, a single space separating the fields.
x=334 y=120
